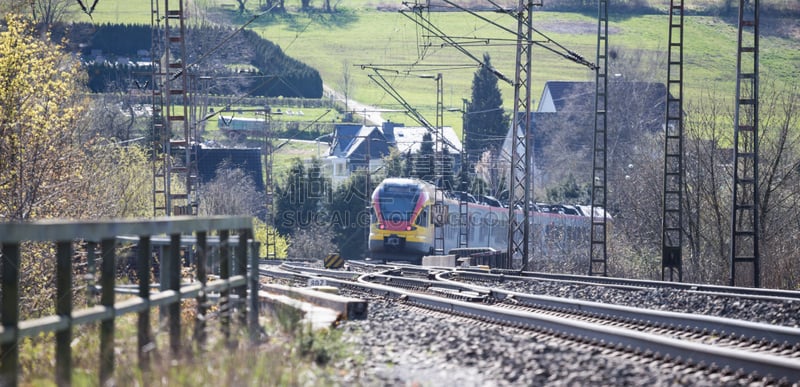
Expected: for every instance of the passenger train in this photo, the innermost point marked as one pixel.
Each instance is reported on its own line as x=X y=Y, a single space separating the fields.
x=402 y=222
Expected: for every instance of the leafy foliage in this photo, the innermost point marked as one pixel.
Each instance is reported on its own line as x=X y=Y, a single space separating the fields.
x=126 y=176
x=42 y=160
x=260 y=230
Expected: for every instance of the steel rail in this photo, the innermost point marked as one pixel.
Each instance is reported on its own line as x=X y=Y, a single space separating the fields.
x=697 y=354
x=632 y=284
x=781 y=335
x=321 y=272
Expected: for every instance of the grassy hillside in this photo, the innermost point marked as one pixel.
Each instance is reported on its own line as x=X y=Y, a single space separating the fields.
x=362 y=35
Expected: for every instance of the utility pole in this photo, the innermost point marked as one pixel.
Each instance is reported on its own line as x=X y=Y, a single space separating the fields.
x=598 y=255
x=174 y=153
x=463 y=208
x=521 y=169
x=269 y=186
x=744 y=220
x=438 y=154
x=672 y=202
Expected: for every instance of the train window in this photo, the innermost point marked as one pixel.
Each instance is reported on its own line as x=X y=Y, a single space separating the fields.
x=422 y=219
x=397 y=203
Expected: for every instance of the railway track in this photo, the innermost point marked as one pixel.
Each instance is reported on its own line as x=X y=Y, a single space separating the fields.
x=705 y=342
x=474 y=274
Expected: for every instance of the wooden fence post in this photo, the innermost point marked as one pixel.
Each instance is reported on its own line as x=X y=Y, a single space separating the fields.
x=225 y=274
x=143 y=331
x=107 y=283
x=202 y=298
x=91 y=272
x=173 y=276
x=254 y=285
x=64 y=310
x=241 y=269
x=10 y=316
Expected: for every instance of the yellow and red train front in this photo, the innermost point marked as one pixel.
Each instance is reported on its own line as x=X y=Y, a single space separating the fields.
x=401 y=218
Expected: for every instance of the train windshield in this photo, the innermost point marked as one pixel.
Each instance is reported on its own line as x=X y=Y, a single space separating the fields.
x=397 y=202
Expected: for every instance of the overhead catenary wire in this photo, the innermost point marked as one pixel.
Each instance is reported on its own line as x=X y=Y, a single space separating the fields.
x=441 y=35
x=450 y=40
x=410 y=111
x=223 y=42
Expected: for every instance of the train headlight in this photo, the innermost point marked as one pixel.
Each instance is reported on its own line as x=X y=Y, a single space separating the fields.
x=381 y=226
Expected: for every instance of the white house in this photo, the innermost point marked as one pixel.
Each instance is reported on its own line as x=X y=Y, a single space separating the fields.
x=355 y=145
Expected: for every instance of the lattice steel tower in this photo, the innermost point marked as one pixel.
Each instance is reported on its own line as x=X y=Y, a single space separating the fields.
x=269 y=190
x=438 y=151
x=672 y=205
x=463 y=207
x=521 y=168
x=174 y=156
x=744 y=219
x=598 y=258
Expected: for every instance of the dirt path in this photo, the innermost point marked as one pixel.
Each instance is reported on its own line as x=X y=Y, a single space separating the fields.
x=370 y=113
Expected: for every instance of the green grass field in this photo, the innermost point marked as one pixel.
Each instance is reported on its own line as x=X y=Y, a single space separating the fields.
x=359 y=38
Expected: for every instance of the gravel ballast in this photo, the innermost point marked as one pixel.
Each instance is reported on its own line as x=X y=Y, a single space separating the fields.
x=403 y=346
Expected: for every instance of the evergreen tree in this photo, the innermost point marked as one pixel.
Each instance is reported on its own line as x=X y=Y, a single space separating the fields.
x=300 y=202
x=395 y=164
x=350 y=217
x=408 y=167
x=424 y=160
x=487 y=122
x=448 y=178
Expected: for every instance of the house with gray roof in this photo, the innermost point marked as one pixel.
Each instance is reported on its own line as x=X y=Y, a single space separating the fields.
x=570 y=105
x=354 y=146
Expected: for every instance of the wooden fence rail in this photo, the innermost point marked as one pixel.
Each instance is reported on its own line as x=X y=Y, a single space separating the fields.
x=233 y=279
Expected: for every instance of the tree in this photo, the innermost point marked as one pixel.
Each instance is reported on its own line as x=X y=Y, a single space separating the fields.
x=49 y=12
x=424 y=161
x=42 y=161
x=312 y=242
x=350 y=217
x=302 y=199
x=125 y=171
x=347 y=84
x=490 y=175
x=570 y=192
x=52 y=165
x=779 y=179
x=232 y=192
x=242 y=4
x=708 y=190
x=447 y=180
x=394 y=165
x=487 y=122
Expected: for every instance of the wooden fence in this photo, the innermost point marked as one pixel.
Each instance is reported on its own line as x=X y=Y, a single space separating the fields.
x=232 y=284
